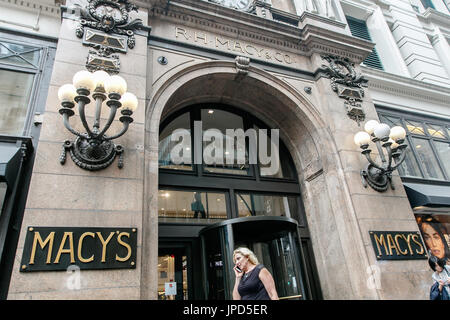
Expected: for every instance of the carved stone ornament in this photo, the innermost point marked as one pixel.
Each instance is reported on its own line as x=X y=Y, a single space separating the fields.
x=241 y=5
x=242 y=65
x=347 y=83
x=110 y=16
x=102 y=58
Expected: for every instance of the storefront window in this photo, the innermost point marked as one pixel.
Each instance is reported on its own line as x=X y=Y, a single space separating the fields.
x=238 y=152
x=222 y=120
x=427 y=159
x=14 y=97
x=436 y=131
x=191 y=205
x=19 y=65
x=167 y=144
x=415 y=127
x=443 y=150
x=428 y=140
x=266 y=205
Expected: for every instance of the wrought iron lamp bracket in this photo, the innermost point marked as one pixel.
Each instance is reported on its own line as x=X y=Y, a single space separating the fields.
x=93 y=150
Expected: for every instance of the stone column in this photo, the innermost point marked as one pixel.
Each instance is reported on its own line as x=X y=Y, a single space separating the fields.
x=68 y=196
x=363 y=210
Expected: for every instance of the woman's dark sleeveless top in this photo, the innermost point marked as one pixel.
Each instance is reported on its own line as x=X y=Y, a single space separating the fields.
x=251 y=287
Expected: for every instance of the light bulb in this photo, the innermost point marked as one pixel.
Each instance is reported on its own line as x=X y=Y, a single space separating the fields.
x=382 y=131
x=394 y=145
x=100 y=77
x=397 y=133
x=129 y=101
x=83 y=80
x=361 y=138
x=67 y=93
x=370 y=126
x=115 y=84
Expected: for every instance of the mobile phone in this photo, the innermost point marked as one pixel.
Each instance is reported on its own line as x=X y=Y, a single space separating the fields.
x=238 y=269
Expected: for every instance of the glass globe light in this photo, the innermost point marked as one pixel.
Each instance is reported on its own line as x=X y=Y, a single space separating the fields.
x=83 y=80
x=397 y=133
x=361 y=138
x=129 y=101
x=394 y=145
x=100 y=77
x=382 y=131
x=67 y=93
x=370 y=126
x=115 y=84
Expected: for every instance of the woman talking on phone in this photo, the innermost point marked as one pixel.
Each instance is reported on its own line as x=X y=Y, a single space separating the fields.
x=253 y=280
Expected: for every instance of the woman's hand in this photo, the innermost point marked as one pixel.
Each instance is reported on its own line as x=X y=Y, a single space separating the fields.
x=441 y=285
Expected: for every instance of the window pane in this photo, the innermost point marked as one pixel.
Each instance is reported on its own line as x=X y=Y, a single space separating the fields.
x=191 y=205
x=181 y=143
x=3 y=188
x=391 y=121
x=415 y=127
x=443 y=149
x=409 y=167
x=216 y=156
x=11 y=53
x=426 y=157
x=267 y=205
x=436 y=131
x=14 y=97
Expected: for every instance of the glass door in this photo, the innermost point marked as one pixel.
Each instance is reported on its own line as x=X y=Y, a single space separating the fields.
x=274 y=240
x=172 y=274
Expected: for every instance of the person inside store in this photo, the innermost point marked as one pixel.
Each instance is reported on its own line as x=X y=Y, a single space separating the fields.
x=440 y=290
x=253 y=280
x=197 y=206
x=433 y=234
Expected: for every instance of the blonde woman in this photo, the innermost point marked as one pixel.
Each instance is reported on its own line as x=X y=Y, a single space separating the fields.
x=253 y=280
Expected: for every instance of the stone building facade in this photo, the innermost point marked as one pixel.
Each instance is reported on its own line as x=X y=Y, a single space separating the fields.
x=268 y=60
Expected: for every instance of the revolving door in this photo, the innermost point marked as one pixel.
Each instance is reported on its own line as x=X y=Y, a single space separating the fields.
x=275 y=242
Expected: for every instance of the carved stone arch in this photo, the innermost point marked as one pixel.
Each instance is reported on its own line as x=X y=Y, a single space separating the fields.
x=303 y=131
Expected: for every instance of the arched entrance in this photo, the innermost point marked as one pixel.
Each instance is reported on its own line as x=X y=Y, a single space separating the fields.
x=279 y=105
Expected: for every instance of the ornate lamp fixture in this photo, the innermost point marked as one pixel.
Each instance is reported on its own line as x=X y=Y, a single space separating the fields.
x=378 y=176
x=93 y=149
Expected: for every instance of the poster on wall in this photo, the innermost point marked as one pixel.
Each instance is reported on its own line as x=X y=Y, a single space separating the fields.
x=435 y=231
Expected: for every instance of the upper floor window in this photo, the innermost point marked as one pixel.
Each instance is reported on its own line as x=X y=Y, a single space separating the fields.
x=20 y=68
x=428 y=154
x=427 y=4
x=359 y=29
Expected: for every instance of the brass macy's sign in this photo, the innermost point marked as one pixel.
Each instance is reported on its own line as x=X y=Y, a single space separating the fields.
x=57 y=248
x=397 y=245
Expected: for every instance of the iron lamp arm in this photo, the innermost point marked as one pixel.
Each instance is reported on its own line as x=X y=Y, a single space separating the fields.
x=125 y=127
x=112 y=115
x=69 y=127
x=82 y=100
x=402 y=158
x=366 y=153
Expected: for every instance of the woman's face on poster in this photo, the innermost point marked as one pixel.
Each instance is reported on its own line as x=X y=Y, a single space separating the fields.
x=433 y=241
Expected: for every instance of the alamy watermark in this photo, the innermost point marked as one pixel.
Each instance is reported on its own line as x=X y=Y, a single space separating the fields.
x=213 y=147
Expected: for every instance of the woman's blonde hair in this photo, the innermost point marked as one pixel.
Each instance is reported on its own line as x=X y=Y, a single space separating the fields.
x=246 y=253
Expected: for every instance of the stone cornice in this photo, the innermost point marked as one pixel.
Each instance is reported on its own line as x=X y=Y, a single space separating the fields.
x=312 y=39
x=406 y=87
x=34 y=6
x=319 y=40
x=434 y=16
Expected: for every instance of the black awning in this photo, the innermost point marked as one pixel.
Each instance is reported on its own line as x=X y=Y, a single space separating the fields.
x=10 y=156
x=427 y=195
